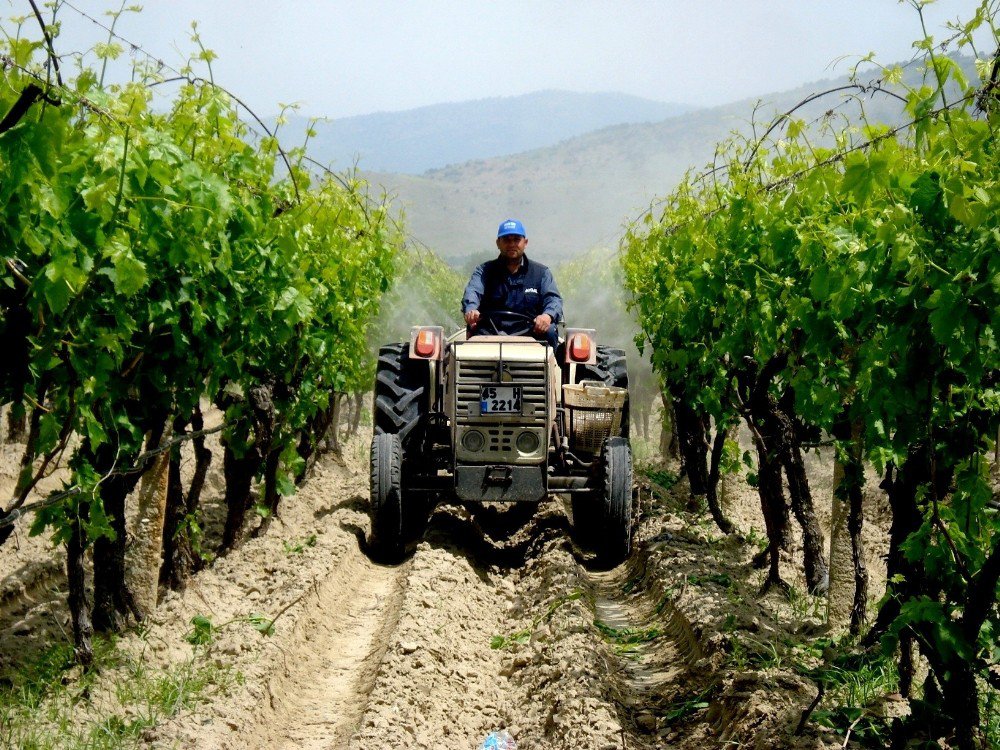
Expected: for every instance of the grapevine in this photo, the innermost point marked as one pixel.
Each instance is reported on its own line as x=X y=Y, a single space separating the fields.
x=847 y=282
x=156 y=261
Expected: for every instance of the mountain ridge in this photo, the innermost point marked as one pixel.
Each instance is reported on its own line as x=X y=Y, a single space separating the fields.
x=577 y=194
x=416 y=140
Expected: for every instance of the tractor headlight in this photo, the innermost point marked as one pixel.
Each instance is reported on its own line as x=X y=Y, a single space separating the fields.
x=473 y=440
x=527 y=442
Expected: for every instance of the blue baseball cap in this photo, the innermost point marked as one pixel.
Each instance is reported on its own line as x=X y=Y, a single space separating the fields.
x=511 y=226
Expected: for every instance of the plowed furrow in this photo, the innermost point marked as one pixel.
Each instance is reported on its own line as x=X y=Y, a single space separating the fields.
x=319 y=698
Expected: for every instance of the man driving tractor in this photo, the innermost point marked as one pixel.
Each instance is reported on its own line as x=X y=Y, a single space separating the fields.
x=511 y=294
x=502 y=418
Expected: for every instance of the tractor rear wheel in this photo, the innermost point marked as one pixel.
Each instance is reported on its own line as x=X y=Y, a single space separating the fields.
x=400 y=388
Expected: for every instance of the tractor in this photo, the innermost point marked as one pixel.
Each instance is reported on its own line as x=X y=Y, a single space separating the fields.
x=501 y=419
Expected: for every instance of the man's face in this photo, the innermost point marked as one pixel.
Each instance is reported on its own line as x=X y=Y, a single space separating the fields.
x=511 y=247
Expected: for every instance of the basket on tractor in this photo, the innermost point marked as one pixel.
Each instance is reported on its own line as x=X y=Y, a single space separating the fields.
x=593 y=412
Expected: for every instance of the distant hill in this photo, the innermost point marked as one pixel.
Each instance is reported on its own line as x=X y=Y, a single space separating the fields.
x=416 y=140
x=577 y=194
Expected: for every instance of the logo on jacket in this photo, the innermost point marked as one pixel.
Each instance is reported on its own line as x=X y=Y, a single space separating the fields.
x=531 y=290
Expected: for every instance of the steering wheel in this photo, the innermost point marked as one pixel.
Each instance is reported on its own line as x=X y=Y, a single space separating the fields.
x=496 y=316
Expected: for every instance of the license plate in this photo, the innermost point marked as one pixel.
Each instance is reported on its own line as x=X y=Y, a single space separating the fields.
x=500 y=399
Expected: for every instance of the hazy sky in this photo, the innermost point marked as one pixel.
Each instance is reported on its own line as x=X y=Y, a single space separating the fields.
x=339 y=58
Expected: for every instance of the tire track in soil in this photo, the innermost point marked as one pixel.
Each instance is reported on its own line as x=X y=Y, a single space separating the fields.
x=439 y=684
x=319 y=698
x=652 y=678
x=32 y=584
x=484 y=573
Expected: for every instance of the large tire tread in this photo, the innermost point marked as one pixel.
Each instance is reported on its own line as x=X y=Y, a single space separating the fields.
x=386 y=503
x=613 y=542
x=400 y=389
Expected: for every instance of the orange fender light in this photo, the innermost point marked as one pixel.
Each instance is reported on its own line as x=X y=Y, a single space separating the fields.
x=580 y=347
x=427 y=342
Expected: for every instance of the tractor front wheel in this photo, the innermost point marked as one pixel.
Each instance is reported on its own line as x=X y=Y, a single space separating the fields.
x=386 y=505
x=612 y=521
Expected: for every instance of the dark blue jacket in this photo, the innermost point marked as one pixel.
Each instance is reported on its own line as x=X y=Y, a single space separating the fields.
x=531 y=291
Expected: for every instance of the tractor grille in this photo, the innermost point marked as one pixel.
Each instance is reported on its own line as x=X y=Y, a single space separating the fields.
x=500 y=440
x=472 y=375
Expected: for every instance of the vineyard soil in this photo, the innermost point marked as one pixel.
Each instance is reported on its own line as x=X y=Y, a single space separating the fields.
x=496 y=621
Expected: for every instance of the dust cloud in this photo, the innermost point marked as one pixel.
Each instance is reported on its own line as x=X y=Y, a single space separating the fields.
x=594 y=296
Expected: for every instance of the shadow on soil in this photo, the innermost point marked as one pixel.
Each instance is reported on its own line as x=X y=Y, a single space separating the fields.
x=487 y=535
x=499 y=536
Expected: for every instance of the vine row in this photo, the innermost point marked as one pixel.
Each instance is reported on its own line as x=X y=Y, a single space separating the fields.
x=155 y=263
x=846 y=282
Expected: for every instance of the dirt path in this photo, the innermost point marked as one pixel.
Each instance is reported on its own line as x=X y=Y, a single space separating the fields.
x=652 y=672
x=319 y=700
x=307 y=685
x=496 y=621
x=439 y=684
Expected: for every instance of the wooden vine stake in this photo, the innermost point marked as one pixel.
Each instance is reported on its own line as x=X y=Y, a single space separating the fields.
x=848 y=577
x=145 y=554
x=840 y=597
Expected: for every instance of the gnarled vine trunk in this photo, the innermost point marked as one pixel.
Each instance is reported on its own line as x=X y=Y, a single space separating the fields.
x=17 y=422
x=847 y=603
x=145 y=554
x=712 y=494
x=790 y=454
x=774 y=508
x=309 y=440
x=83 y=630
x=114 y=600
x=180 y=559
x=692 y=436
x=669 y=447
x=901 y=485
x=357 y=403
x=701 y=467
x=240 y=471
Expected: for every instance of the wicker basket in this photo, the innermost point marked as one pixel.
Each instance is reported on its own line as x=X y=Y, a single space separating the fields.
x=593 y=413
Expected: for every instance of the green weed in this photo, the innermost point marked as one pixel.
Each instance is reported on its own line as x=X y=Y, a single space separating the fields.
x=297 y=548
x=687 y=705
x=668 y=596
x=524 y=634
x=755 y=539
x=44 y=702
x=661 y=477
x=859 y=684
x=747 y=653
x=866 y=729
x=855 y=684
x=805 y=607
x=627 y=640
x=723 y=579
x=203 y=630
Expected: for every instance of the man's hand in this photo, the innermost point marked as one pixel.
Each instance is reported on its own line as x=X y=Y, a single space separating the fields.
x=472 y=319
x=542 y=323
